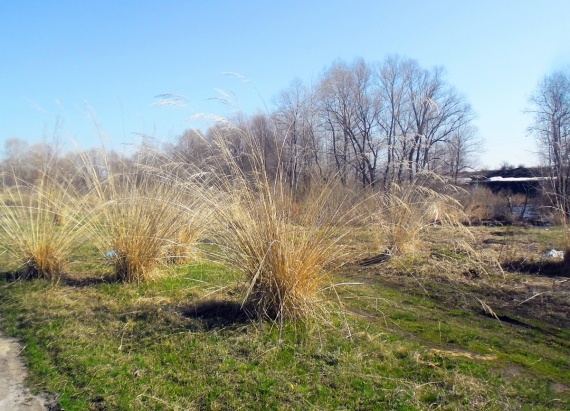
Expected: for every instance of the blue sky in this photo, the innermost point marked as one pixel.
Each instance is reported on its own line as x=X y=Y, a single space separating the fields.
x=90 y=70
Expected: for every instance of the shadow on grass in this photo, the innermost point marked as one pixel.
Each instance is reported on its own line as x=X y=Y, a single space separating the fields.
x=542 y=268
x=218 y=313
x=85 y=281
x=66 y=279
x=377 y=259
x=552 y=328
x=10 y=276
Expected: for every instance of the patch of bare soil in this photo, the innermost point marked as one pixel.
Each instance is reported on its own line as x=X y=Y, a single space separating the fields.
x=14 y=396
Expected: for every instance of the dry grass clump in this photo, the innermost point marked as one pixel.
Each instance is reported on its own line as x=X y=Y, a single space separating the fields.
x=143 y=216
x=40 y=225
x=406 y=211
x=561 y=214
x=481 y=204
x=282 y=252
x=195 y=222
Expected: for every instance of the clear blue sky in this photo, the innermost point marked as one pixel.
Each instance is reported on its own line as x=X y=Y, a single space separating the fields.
x=66 y=62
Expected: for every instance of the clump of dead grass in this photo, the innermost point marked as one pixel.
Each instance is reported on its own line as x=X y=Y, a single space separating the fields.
x=183 y=247
x=144 y=216
x=404 y=212
x=283 y=253
x=480 y=204
x=40 y=225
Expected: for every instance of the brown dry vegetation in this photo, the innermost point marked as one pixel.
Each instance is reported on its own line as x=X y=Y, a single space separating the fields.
x=497 y=271
x=446 y=324
x=327 y=266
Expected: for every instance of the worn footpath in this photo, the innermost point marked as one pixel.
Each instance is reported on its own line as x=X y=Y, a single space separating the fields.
x=14 y=396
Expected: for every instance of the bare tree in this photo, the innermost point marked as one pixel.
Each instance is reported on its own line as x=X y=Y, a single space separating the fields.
x=351 y=107
x=460 y=152
x=190 y=147
x=373 y=124
x=421 y=116
x=395 y=119
x=263 y=134
x=438 y=112
x=24 y=162
x=297 y=123
x=550 y=107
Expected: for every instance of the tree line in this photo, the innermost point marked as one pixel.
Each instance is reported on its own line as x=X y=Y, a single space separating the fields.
x=369 y=124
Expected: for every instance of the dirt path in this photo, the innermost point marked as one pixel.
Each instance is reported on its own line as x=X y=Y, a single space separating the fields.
x=13 y=395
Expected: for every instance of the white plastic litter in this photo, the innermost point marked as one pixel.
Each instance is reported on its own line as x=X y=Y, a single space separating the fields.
x=554 y=254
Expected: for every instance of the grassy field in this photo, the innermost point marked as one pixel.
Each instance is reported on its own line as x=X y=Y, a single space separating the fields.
x=437 y=329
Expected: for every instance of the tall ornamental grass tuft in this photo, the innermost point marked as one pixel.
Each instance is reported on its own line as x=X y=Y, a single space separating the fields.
x=40 y=225
x=142 y=207
x=282 y=246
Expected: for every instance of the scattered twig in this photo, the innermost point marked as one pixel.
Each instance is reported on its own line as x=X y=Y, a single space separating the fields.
x=530 y=298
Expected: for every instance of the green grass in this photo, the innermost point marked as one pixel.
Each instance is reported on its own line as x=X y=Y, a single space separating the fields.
x=181 y=343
